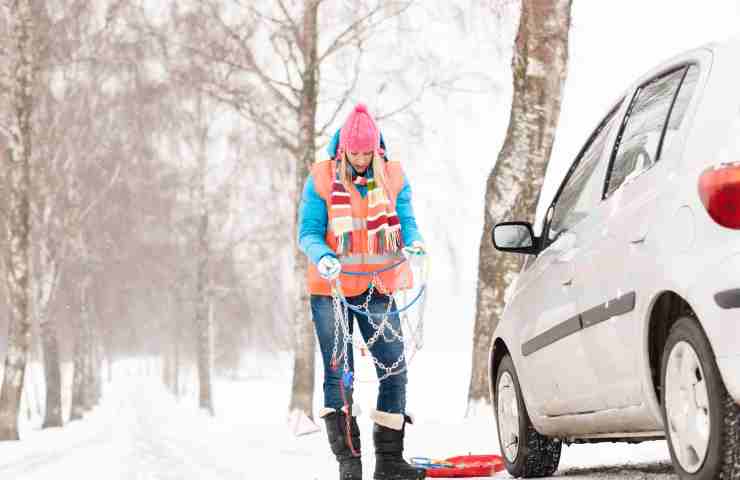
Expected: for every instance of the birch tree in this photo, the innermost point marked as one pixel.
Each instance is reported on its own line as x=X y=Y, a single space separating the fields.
x=203 y=295
x=56 y=154
x=539 y=70
x=20 y=82
x=71 y=126
x=82 y=342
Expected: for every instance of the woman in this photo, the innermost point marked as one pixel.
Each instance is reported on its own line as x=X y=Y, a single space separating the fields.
x=356 y=216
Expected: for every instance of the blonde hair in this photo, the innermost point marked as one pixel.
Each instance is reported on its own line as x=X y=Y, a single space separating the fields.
x=378 y=165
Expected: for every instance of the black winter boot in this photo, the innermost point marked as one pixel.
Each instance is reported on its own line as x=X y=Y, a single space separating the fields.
x=389 y=462
x=350 y=466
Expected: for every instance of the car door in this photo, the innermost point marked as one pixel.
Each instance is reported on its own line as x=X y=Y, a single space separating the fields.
x=547 y=304
x=554 y=357
x=613 y=252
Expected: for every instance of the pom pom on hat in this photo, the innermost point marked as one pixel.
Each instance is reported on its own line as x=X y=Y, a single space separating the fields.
x=360 y=133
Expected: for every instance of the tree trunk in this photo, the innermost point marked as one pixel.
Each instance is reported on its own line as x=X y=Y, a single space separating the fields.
x=97 y=371
x=77 y=408
x=167 y=366
x=46 y=280
x=166 y=347
x=18 y=219
x=79 y=382
x=89 y=367
x=301 y=399
x=176 y=362
x=53 y=375
x=539 y=71
x=202 y=318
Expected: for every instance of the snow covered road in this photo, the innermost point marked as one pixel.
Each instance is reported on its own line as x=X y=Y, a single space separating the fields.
x=141 y=433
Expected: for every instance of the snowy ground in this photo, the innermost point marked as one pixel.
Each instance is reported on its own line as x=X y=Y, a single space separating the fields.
x=140 y=432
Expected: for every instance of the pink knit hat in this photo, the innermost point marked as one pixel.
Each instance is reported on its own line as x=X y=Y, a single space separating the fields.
x=360 y=133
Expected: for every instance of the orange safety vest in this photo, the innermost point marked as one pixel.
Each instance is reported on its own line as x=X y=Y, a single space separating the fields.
x=398 y=278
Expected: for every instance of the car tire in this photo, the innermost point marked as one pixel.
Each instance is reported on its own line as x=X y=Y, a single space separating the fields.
x=537 y=455
x=714 y=416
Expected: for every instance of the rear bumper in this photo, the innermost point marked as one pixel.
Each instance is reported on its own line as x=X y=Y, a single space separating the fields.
x=729 y=368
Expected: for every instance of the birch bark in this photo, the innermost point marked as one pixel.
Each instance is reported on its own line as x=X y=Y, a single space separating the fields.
x=18 y=13
x=539 y=69
x=301 y=398
x=202 y=318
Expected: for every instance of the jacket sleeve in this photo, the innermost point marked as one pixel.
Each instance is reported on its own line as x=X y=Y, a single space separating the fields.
x=409 y=229
x=313 y=219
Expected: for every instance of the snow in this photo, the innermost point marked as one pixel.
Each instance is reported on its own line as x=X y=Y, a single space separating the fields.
x=142 y=432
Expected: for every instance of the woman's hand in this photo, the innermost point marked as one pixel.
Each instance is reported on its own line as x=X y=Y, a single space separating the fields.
x=416 y=249
x=329 y=267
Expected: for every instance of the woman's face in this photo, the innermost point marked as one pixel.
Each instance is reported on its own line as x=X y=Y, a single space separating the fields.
x=360 y=160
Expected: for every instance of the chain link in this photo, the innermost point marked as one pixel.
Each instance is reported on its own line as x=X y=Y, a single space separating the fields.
x=383 y=329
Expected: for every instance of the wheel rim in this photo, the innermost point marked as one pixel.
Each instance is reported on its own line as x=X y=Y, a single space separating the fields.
x=508 y=417
x=687 y=407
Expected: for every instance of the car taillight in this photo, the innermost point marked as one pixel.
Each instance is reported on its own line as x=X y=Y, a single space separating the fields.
x=719 y=189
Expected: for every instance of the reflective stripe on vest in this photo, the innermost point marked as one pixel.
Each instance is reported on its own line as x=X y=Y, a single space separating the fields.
x=360 y=259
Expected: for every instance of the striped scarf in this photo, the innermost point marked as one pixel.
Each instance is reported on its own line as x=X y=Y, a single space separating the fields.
x=383 y=225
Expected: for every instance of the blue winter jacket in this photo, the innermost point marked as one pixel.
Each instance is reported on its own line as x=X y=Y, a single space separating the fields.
x=313 y=215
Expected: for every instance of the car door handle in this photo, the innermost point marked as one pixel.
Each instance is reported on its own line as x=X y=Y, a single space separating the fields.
x=567 y=283
x=641 y=235
x=638 y=238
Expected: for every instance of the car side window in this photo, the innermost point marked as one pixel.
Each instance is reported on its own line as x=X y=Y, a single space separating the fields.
x=583 y=187
x=642 y=138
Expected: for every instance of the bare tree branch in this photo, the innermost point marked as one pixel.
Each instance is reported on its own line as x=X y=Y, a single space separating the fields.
x=416 y=98
x=361 y=27
x=94 y=203
x=345 y=96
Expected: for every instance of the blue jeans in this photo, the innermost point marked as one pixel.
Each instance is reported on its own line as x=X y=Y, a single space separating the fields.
x=392 y=391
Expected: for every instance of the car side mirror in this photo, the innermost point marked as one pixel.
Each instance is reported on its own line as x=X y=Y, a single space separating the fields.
x=516 y=237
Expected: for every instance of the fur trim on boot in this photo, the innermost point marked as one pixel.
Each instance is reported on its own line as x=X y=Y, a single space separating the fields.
x=394 y=421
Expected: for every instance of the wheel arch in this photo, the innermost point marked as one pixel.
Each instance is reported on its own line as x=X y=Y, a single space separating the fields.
x=499 y=349
x=667 y=307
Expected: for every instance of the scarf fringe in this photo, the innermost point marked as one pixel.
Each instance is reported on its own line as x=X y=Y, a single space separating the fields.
x=344 y=243
x=388 y=240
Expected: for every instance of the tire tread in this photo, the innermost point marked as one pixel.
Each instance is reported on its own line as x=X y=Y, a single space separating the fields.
x=731 y=425
x=544 y=454
x=541 y=454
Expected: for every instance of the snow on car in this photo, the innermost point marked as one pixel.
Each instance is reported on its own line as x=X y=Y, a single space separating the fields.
x=624 y=323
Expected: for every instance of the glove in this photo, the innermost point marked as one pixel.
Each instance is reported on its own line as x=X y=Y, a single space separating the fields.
x=329 y=267
x=416 y=249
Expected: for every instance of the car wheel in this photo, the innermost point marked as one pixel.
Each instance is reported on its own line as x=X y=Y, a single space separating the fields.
x=526 y=453
x=702 y=421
